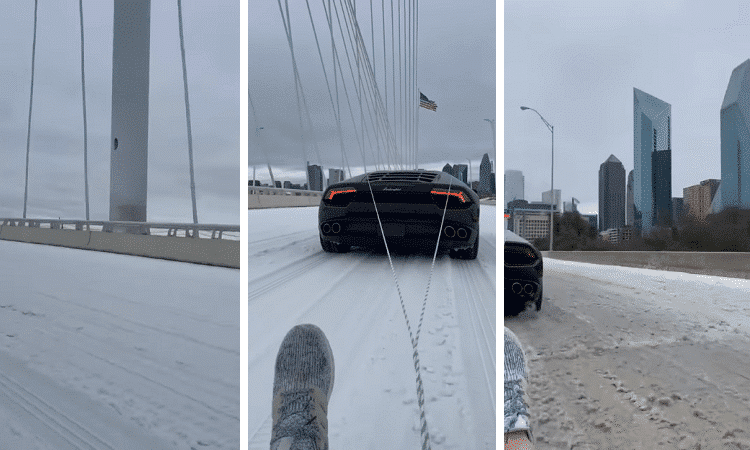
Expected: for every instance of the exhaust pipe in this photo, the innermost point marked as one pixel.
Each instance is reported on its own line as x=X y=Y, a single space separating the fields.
x=529 y=289
x=326 y=228
x=517 y=288
x=449 y=231
x=461 y=233
x=336 y=228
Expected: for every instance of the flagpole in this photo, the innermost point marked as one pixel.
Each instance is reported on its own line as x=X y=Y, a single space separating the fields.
x=416 y=166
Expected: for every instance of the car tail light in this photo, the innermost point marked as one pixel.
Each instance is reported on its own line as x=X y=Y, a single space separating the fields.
x=456 y=198
x=520 y=255
x=339 y=196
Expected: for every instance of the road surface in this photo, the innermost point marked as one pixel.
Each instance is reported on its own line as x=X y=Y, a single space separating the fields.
x=353 y=298
x=106 y=351
x=638 y=359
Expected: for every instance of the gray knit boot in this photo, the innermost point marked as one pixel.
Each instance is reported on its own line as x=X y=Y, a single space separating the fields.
x=515 y=407
x=302 y=386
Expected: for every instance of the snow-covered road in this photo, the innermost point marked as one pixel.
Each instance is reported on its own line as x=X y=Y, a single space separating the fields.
x=353 y=298
x=637 y=358
x=109 y=351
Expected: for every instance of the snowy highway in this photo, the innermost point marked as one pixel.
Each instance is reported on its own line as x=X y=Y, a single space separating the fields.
x=106 y=351
x=353 y=298
x=637 y=358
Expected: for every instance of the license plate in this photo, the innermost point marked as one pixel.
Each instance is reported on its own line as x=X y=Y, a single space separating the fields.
x=394 y=229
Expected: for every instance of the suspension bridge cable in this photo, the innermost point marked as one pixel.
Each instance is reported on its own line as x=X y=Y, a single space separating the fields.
x=85 y=133
x=288 y=30
x=328 y=85
x=31 y=102
x=380 y=116
x=337 y=59
x=351 y=70
x=187 y=114
x=416 y=81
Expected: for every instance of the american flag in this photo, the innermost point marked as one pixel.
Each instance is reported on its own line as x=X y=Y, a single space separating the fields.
x=425 y=102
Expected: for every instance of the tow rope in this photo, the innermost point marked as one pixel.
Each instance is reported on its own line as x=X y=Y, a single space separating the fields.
x=414 y=338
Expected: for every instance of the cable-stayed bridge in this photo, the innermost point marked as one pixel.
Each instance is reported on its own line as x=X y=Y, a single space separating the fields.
x=108 y=349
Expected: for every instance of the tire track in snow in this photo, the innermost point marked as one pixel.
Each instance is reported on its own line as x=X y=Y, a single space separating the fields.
x=478 y=337
x=50 y=423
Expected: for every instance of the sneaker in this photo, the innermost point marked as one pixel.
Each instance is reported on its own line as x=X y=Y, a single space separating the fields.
x=515 y=407
x=302 y=386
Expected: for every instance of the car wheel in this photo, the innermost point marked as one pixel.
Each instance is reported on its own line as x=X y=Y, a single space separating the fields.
x=539 y=299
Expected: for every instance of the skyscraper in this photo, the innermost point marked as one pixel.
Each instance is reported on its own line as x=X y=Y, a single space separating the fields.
x=335 y=175
x=461 y=171
x=629 y=200
x=735 y=140
x=555 y=199
x=651 y=133
x=661 y=171
x=513 y=186
x=485 y=176
x=314 y=177
x=611 y=194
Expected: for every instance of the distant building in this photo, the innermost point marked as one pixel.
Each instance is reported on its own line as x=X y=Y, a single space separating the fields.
x=611 y=194
x=448 y=169
x=651 y=134
x=512 y=206
x=485 y=176
x=661 y=164
x=555 y=200
x=677 y=211
x=617 y=235
x=531 y=224
x=513 y=186
x=315 y=177
x=277 y=183
x=335 y=176
x=735 y=140
x=698 y=198
x=593 y=220
x=629 y=205
x=287 y=184
x=461 y=171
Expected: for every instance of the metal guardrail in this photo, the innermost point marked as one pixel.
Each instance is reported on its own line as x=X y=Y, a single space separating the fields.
x=203 y=231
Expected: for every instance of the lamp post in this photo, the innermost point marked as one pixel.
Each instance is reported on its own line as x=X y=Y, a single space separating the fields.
x=552 y=180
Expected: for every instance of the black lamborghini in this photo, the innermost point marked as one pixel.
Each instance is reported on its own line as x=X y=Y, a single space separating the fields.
x=524 y=270
x=410 y=205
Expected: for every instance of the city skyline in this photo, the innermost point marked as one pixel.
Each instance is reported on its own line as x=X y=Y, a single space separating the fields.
x=577 y=63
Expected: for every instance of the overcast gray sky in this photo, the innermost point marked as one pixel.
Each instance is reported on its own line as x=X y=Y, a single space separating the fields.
x=56 y=182
x=577 y=62
x=456 y=70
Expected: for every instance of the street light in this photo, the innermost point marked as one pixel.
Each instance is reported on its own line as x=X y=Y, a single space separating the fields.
x=552 y=181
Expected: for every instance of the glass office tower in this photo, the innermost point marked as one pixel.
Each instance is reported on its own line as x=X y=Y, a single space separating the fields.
x=735 y=140
x=651 y=133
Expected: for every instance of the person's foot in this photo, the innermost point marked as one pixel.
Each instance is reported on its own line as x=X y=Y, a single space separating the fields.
x=515 y=407
x=302 y=386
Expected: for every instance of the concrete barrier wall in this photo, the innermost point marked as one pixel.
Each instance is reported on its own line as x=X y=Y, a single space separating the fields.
x=280 y=201
x=267 y=197
x=215 y=252
x=726 y=264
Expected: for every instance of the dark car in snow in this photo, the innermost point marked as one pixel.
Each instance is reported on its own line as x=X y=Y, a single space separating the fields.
x=410 y=206
x=523 y=274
